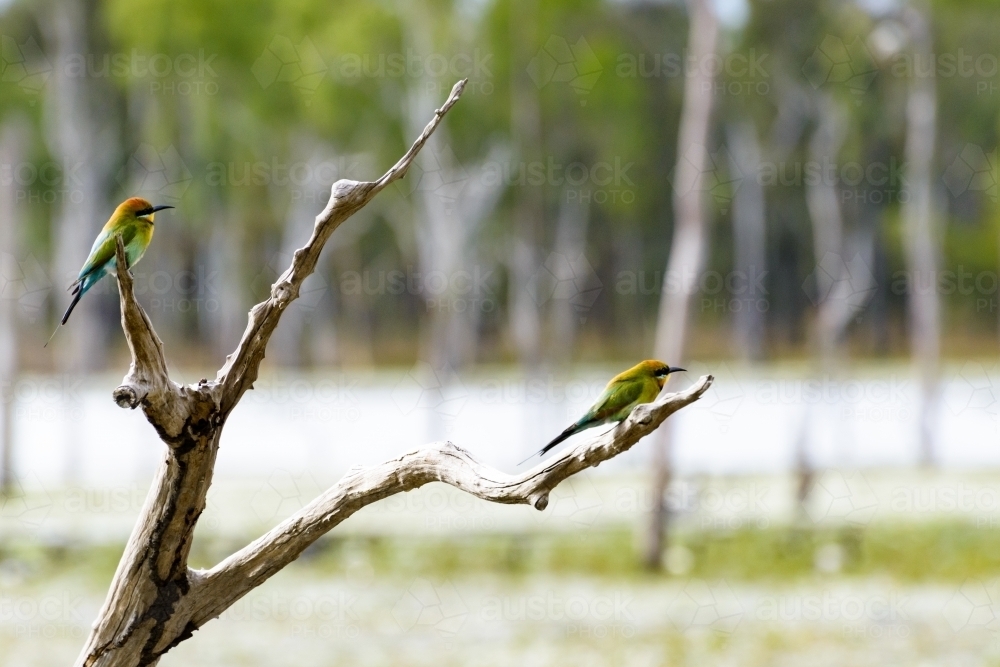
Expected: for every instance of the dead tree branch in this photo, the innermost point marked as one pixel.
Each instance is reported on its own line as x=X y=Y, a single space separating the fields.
x=444 y=462
x=155 y=600
x=347 y=198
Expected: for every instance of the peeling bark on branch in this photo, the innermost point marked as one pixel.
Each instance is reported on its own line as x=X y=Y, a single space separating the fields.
x=156 y=601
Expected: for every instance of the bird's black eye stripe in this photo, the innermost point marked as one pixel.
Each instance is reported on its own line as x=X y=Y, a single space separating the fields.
x=145 y=211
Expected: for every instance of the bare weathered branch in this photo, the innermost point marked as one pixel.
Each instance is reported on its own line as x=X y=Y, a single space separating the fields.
x=156 y=601
x=445 y=462
x=347 y=197
x=147 y=378
x=147 y=608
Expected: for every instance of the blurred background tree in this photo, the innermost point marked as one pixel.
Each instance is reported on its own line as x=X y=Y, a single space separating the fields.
x=558 y=169
x=843 y=176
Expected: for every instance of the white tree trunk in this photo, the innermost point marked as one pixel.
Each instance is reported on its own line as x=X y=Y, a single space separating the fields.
x=452 y=203
x=221 y=257
x=823 y=201
x=749 y=239
x=291 y=337
x=687 y=250
x=570 y=245
x=83 y=136
x=523 y=261
x=921 y=239
x=13 y=144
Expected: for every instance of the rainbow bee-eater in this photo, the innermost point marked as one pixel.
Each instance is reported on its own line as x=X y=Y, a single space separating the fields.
x=640 y=384
x=133 y=221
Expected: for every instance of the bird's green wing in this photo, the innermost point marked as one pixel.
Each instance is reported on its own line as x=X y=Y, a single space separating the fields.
x=103 y=250
x=617 y=401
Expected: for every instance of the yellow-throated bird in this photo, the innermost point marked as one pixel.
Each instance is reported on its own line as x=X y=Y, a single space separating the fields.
x=639 y=384
x=133 y=220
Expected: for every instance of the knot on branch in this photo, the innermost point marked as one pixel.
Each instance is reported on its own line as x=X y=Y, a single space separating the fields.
x=642 y=414
x=343 y=188
x=127 y=397
x=539 y=501
x=284 y=292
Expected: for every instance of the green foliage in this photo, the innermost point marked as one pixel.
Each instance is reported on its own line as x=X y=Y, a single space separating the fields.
x=905 y=552
x=354 y=69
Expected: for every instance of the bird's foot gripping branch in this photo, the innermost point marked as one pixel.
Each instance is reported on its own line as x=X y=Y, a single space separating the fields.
x=156 y=600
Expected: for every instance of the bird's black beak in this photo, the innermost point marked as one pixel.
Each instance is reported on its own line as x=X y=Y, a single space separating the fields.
x=675 y=369
x=159 y=208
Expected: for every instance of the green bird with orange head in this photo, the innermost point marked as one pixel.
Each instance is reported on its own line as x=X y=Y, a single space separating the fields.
x=133 y=221
x=640 y=384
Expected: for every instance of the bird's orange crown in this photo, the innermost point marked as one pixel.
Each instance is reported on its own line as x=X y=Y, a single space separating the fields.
x=138 y=207
x=133 y=205
x=657 y=369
